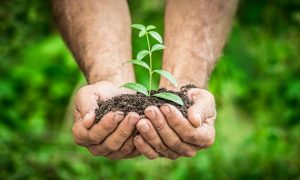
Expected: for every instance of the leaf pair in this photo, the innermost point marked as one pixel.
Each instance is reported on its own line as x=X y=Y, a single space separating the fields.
x=144 y=30
x=163 y=73
x=144 y=53
x=164 y=95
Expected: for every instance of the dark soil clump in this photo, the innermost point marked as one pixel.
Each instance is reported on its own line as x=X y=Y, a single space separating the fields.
x=139 y=102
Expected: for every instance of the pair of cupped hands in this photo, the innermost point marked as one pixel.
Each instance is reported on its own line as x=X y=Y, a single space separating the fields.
x=163 y=132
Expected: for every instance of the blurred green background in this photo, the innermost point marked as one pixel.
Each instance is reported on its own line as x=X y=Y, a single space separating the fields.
x=256 y=84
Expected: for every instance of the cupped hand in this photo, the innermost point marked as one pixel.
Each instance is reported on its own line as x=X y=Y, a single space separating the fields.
x=112 y=136
x=166 y=132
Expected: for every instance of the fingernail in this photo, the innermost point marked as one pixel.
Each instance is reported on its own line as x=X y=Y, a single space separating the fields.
x=88 y=116
x=151 y=113
x=133 y=120
x=88 y=120
x=144 y=127
x=198 y=117
x=167 y=108
x=138 y=139
x=118 y=117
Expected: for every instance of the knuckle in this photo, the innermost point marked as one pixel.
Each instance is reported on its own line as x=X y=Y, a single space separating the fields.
x=160 y=125
x=175 y=122
x=173 y=157
x=107 y=127
x=152 y=156
x=175 y=143
x=111 y=146
x=151 y=138
x=123 y=133
x=191 y=137
x=78 y=142
x=112 y=157
x=125 y=151
x=159 y=147
x=93 y=151
x=190 y=153
x=94 y=138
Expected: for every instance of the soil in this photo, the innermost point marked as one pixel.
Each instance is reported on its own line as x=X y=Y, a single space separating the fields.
x=138 y=102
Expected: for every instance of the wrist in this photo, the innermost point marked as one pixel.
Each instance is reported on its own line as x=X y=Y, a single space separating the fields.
x=117 y=75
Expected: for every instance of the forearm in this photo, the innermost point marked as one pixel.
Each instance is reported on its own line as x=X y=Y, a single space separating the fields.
x=98 y=35
x=195 y=33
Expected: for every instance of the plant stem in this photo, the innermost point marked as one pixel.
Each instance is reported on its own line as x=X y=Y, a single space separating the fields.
x=150 y=63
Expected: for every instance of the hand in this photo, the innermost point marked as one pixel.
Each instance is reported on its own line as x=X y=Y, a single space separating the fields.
x=112 y=135
x=166 y=132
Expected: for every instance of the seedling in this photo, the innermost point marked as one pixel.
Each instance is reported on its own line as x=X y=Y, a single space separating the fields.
x=148 y=32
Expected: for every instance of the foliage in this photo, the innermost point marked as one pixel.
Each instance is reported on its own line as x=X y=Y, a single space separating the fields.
x=256 y=85
x=148 y=31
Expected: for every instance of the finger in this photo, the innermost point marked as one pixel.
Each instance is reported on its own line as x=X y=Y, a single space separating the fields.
x=77 y=115
x=135 y=153
x=115 y=140
x=205 y=136
x=205 y=114
x=167 y=134
x=189 y=134
x=86 y=103
x=88 y=119
x=150 y=135
x=125 y=150
x=105 y=126
x=122 y=133
x=80 y=134
x=144 y=148
x=203 y=107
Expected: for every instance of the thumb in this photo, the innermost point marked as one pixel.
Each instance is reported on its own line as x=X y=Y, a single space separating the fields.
x=86 y=104
x=88 y=119
x=203 y=107
x=194 y=114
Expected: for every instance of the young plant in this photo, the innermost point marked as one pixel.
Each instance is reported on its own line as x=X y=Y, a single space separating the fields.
x=148 y=32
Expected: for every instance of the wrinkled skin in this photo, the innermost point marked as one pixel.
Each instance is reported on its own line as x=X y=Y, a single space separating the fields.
x=165 y=132
x=112 y=136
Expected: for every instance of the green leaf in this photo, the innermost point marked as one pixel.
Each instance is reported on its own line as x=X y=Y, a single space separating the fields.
x=140 y=63
x=157 y=47
x=156 y=36
x=136 y=87
x=167 y=75
x=170 y=96
x=150 y=27
x=139 y=26
x=142 y=54
x=142 y=33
